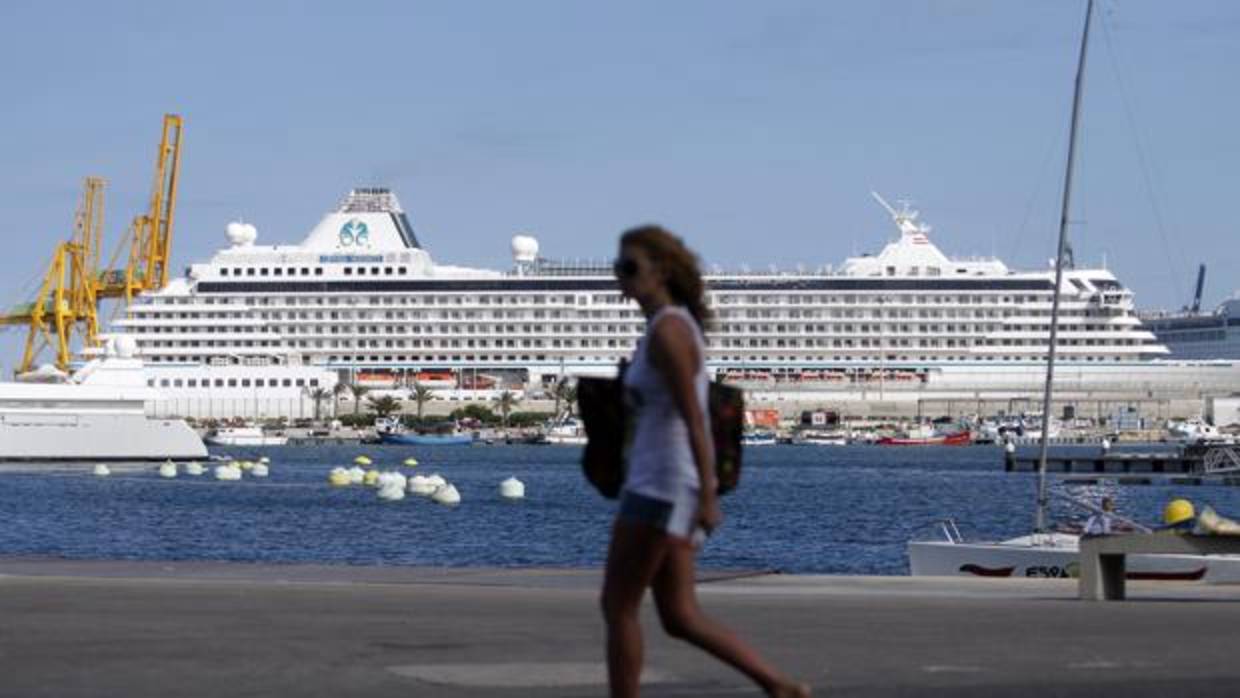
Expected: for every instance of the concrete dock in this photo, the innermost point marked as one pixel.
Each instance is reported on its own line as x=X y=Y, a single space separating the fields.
x=218 y=629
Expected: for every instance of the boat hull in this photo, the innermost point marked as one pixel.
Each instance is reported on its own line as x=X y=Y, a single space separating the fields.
x=97 y=437
x=427 y=439
x=961 y=439
x=1059 y=560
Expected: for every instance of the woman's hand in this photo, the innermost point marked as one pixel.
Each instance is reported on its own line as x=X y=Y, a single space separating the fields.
x=709 y=515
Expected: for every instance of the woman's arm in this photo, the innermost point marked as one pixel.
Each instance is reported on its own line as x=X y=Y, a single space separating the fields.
x=673 y=350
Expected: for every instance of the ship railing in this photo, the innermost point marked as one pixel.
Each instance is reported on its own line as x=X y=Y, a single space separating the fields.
x=1221 y=459
x=950 y=531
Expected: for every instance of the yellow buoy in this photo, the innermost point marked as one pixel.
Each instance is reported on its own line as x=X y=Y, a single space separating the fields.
x=371 y=477
x=362 y=460
x=411 y=462
x=339 y=477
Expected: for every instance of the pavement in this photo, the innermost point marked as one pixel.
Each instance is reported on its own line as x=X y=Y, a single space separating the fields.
x=82 y=628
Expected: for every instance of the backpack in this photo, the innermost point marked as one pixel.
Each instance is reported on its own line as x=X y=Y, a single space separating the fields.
x=609 y=427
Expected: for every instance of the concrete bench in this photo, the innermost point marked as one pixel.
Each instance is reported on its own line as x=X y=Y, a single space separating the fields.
x=1102 y=557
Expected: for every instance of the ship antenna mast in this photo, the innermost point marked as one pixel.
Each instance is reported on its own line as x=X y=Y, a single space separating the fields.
x=1040 y=521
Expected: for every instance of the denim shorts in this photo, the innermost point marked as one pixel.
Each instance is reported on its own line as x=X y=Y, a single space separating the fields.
x=676 y=518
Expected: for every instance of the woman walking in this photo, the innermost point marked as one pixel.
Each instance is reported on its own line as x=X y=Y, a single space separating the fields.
x=669 y=502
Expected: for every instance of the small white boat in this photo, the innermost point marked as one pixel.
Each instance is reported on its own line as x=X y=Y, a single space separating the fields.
x=565 y=431
x=1193 y=430
x=812 y=437
x=1052 y=555
x=244 y=436
x=758 y=438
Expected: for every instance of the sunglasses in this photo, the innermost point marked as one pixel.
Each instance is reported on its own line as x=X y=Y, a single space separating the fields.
x=625 y=268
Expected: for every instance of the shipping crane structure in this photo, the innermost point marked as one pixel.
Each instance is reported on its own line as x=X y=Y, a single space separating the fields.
x=67 y=302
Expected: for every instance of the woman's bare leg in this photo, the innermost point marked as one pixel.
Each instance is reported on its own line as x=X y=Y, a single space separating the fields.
x=635 y=554
x=676 y=597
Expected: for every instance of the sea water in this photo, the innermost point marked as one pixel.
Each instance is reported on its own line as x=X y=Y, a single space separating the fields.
x=799 y=509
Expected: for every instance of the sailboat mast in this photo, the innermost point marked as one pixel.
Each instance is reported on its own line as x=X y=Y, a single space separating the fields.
x=1040 y=522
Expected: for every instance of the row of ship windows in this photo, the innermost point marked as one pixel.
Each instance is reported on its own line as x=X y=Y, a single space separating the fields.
x=390 y=360
x=1117 y=333
x=626 y=344
x=599 y=298
x=234 y=382
x=308 y=271
x=719 y=319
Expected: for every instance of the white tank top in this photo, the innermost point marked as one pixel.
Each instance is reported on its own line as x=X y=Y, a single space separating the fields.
x=661 y=463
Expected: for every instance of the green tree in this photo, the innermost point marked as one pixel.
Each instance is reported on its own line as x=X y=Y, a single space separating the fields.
x=318 y=395
x=504 y=402
x=570 y=398
x=421 y=394
x=358 y=392
x=340 y=388
x=384 y=406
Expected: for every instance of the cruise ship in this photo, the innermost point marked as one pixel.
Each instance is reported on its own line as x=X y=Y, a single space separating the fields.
x=258 y=328
x=1191 y=335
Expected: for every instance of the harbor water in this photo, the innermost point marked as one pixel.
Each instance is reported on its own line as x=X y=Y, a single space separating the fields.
x=799 y=509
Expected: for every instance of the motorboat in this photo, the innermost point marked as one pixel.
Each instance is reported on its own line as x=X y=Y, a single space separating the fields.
x=564 y=431
x=249 y=435
x=815 y=437
x=96 y=414
x=758 y=438
x=925 y=435
x=1193 y=430
x=1051 y=555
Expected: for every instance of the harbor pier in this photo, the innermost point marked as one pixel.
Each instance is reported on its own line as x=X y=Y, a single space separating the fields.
x=137 y=629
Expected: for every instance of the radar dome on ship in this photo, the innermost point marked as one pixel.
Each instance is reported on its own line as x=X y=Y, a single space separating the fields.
x=524 y=248
x=241 y=234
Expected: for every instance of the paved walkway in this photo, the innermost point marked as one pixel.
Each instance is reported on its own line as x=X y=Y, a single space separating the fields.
x=203 y=629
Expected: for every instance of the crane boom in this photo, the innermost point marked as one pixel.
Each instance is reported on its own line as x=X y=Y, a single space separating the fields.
x=73 y=285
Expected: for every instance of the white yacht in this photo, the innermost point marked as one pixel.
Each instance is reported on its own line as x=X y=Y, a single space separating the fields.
x=96 y=414
x=245 y=436
x=257 y=328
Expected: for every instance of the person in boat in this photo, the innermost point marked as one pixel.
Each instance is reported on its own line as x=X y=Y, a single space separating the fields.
x=1102 y=522
x=668 y=503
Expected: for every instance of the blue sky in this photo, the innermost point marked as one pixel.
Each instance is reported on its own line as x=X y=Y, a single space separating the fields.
x=756 y=129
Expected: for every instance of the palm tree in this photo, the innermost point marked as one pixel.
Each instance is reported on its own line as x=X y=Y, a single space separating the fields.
x=505 y=401
x=358 y=392
x=318 y=395
x=570 y=397
x=421 y=394
x=560 y=393
x=384 y=406
x=340 y=388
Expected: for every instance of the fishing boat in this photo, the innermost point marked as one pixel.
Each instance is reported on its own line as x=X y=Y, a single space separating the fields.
x=391 y=431
x=927 y=436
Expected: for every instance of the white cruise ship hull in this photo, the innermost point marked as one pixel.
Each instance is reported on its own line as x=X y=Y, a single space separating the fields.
x=90 y=438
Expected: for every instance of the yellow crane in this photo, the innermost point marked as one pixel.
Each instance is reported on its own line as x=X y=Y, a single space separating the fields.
x=73 y=286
